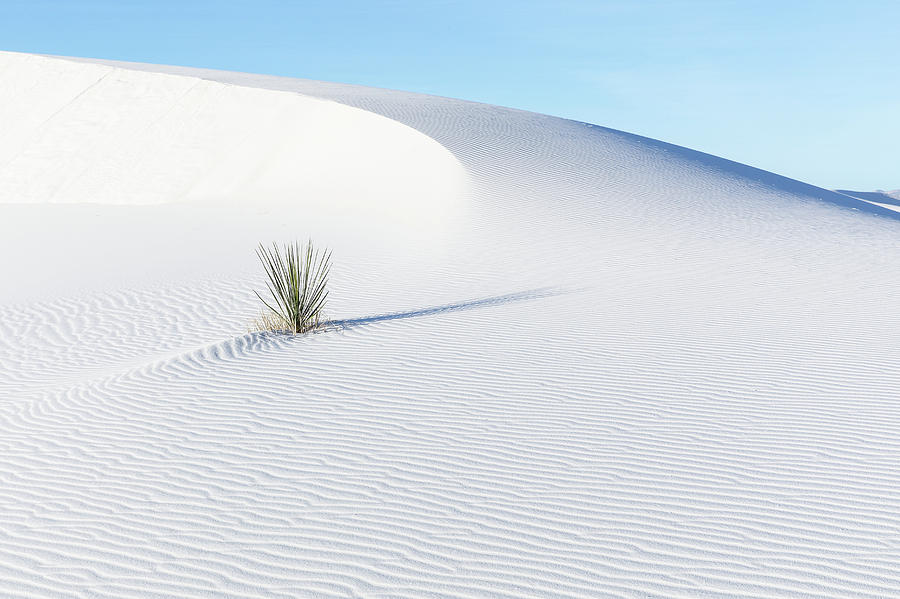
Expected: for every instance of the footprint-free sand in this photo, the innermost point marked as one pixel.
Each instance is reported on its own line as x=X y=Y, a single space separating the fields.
x=567 y=361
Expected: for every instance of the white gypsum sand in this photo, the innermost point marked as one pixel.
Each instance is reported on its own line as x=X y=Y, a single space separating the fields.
x=571 y=361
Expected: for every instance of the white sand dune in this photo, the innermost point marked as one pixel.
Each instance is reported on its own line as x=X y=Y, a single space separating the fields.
x=572 y=362
x=885 y=199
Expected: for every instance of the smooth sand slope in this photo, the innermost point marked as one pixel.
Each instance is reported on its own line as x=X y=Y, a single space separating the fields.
x=571 y=362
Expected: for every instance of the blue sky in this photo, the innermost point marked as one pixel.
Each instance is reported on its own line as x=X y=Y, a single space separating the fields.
x=810 y=90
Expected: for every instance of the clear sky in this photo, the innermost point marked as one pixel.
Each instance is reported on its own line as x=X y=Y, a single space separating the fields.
x=807 y=89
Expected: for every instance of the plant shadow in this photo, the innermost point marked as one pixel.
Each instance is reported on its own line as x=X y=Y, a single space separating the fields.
x=496 y=300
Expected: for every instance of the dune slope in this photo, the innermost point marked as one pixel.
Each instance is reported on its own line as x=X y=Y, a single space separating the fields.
x=568 y=361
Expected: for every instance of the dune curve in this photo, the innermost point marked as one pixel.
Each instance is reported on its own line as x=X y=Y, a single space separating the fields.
x=90 y=133
x=627 y=370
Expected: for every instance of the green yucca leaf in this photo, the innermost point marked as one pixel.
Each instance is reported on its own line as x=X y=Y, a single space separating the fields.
x=297 y=279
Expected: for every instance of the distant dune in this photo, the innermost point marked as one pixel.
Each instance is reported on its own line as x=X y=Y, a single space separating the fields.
x=570 y=361
x=879 y=197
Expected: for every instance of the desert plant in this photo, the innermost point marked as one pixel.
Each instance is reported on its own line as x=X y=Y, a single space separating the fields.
x=297 y=281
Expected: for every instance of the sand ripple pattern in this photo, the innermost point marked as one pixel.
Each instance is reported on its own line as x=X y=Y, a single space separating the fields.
x=643 y=373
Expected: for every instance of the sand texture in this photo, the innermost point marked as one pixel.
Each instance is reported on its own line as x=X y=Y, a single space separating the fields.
x=566 y=362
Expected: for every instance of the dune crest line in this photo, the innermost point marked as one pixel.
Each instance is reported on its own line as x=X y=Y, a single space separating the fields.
x=694 y=394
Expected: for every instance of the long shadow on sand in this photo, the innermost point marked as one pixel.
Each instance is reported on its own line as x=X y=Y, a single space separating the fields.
x=496 y=300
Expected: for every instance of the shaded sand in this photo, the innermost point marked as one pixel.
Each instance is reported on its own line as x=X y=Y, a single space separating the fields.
x=588 y=364
x=885 y=199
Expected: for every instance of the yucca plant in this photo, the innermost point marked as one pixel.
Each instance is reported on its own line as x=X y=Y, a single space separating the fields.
x=297 y=281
